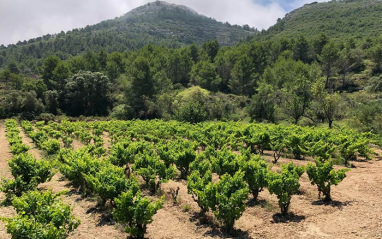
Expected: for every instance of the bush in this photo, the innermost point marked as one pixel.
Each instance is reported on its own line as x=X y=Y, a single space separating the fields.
x=110 y=182
x=28 y=173
x=230 y=199
x=135 y=211
x=149 y=167
x=29 y=169
x=51 y=146
x=40 y=216
x=324 y=176
x=255 y=174
x=75 y=163
x=184 y=158
x=285 y=184
x=201 y=188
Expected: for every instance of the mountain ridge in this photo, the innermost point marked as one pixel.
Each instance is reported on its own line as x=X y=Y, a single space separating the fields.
x=158 y=23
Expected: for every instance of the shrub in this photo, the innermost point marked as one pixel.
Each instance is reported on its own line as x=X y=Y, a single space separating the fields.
x=40 y=216
x=135 y=211
x=285 y=184
x=29 y=169
x=255 y=174
x=230 y=199
x=324 y=176
x=51 y=146
x=75 y=163
x=202 y=190
x=183 y=160
x=110 y=182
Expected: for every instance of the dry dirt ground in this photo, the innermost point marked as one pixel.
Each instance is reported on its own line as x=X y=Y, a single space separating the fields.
x=356 y=211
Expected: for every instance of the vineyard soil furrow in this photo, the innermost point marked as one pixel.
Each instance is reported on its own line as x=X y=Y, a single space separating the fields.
x=29 y=142
x=5 y=172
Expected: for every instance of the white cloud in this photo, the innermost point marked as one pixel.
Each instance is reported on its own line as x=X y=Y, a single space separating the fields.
x=25 y=19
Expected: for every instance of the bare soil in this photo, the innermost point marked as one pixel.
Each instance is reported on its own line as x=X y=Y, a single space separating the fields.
x=77 y=144
x=106 y=141
x=5 y=173
x=356 y=210
x=28 y=141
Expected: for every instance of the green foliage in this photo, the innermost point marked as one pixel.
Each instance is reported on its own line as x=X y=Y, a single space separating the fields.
x=29 y=169
x=263 y=106
x=75 y=164
x=184 y=158
x=230 y=199
x=135 y=211
x=87 y=93
x=350 y=146
x=16 y=187
x=203 y=74
x=202 y=190
x=51 y=146
x=27 y=173
x=14 y=139
x=189 y=105
x=339 y=19
x=225 y=162
x=109 y=182
x=41 y=216
x=324 y=176
x=149 y=167
x=285 y=185
x=255 y=174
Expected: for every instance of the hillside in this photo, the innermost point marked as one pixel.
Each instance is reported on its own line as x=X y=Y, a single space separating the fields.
x=158 y=23
x=337 y=19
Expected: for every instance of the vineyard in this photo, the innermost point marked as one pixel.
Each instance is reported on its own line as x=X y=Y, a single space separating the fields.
x=213 y=179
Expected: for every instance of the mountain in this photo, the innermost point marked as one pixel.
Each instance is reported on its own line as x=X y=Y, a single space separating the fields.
x=337 y=19
x=158 y=23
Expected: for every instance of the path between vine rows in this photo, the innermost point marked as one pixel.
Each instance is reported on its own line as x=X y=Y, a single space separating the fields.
x=5 y=172
x=355 y=213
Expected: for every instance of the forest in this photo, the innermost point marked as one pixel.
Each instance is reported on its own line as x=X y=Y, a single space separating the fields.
x=294 y=80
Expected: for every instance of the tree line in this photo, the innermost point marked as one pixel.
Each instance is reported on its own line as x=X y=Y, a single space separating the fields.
x=298 y=80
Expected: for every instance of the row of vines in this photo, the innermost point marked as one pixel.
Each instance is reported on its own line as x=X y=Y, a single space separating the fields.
x=221 y=162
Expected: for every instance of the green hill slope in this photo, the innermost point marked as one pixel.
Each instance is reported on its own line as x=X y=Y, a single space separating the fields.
x=337 y=19
x=158 y=23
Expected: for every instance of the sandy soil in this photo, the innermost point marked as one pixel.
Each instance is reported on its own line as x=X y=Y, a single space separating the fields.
x=106 y=141
x=77 y=144
x=5 y=154
x=356 y=211
x=28 y=141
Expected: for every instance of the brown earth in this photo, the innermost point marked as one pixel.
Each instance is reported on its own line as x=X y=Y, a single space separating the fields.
x=29 y=142
x=356 y=211
x=5 y=173
x=106 y=141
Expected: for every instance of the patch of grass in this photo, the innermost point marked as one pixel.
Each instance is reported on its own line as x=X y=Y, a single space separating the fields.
x=186 y=208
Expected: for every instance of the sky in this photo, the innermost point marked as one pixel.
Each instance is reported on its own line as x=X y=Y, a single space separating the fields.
x=25 y=19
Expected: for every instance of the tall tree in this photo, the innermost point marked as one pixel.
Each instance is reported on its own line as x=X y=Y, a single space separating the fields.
x=48 y=67
x=142 y=85
x=326 y=103
x=328 y=59
x=204 y=74
x=243 y=79
x=87 y=93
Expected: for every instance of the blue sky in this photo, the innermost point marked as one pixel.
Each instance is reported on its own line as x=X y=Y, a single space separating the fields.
x=26 y=19
x=286 y=5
